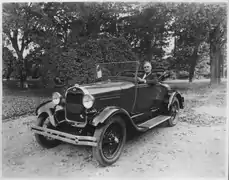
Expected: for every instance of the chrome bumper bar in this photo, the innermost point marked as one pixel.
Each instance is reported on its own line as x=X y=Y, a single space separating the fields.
x=65 y=137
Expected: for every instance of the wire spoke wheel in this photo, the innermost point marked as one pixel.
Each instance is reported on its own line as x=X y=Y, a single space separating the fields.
x=174 y=113
x=47 y=124
x=44 y=141
x=111 y=139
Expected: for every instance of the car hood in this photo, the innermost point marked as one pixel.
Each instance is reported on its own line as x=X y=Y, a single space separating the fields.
x=107 y=86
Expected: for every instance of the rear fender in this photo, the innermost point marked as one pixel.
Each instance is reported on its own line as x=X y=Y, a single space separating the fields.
x=179 y=97
x=47 y=108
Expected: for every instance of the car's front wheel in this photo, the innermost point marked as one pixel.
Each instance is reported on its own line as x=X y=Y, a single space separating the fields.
x=46 y=142
x=111 y=139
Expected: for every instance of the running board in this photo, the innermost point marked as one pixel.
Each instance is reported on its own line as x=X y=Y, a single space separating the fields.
x=65 y=137
x=154 y=122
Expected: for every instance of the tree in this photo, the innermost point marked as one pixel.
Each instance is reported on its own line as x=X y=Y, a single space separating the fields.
x=8 y=62
x=146 y=29
x=60 y=26
x=78 y=61
x=190 y=29
x=197 y=23
x=19 y=23
x=217 y=22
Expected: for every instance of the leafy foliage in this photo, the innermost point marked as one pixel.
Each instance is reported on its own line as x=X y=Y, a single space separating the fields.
x=147 y=30
x=195 y=24
x=78 y=61
x=8 y=62
x=87 y=32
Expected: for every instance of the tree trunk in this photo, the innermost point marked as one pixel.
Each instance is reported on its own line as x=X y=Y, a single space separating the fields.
x=218 y=67
x=22 y=70
x=21 y=63
x=9 y=72
x=193 y=63
x=191 y=71
x=215 y=64
x=215 y=72
x=221 y=65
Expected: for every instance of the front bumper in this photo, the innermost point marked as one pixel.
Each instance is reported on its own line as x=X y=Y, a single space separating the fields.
x=65 y=137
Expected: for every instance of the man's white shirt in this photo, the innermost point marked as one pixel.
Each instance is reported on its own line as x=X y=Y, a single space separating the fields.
x=145 y=75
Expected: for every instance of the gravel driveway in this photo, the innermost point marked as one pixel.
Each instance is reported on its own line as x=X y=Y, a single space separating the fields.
x=186 y=150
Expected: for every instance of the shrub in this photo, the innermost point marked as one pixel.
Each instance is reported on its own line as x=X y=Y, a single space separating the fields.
x=183 y=75
x=78 y=61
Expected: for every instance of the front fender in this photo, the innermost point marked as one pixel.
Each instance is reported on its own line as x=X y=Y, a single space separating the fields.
x=47 y=108
x=108 y=112
x=44 y=107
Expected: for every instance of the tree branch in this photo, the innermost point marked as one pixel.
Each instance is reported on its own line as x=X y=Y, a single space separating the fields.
x=13 y=40
x=23 y=44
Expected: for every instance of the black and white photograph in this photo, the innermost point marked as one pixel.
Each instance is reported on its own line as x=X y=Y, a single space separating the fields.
x=114 y=89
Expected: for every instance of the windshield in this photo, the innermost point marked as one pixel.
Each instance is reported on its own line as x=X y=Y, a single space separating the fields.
x=116 y=69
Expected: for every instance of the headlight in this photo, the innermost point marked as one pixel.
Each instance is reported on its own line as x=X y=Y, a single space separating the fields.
x=88 y=101
x=56 y=98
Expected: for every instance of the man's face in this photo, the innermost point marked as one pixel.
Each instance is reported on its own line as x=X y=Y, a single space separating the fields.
x=147 y=67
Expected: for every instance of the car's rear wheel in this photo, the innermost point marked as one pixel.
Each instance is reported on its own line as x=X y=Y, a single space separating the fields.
x=46 y=142
x=111 y=139
x=174 y=112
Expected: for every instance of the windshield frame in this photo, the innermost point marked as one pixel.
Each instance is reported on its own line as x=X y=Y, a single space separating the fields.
x=120 y=77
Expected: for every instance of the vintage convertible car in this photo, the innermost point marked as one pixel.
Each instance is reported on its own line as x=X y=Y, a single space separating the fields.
x=103 y=113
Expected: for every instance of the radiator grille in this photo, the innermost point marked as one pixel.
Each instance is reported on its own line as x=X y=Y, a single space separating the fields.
x=74 y=107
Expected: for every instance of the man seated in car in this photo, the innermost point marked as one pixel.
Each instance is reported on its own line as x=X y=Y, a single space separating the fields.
x=149 y=77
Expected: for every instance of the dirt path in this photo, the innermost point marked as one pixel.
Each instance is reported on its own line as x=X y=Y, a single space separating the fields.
x=186 y=150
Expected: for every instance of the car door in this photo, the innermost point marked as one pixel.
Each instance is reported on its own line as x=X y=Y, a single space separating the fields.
x=149 y=97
